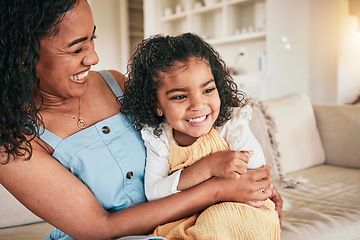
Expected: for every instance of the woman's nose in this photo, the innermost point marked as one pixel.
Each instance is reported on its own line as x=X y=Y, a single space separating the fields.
x=91 y=57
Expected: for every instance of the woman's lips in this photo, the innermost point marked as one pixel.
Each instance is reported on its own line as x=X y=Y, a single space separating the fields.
x=79 y=78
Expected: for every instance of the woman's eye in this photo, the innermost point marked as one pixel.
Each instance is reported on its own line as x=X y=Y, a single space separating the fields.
x=209 y=90
x=84 y=46
x=79 y=50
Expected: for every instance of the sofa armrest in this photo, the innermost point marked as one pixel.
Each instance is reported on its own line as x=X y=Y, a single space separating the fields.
x=339 y=128
x=12 y=212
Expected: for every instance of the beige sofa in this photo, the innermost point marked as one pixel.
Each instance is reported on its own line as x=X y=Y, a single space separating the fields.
x=314 y=153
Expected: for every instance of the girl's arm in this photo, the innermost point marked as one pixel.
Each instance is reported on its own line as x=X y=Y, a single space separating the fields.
x=50 y=191
x=226 y=164
x=158 y=182
x=231 y=164
x=238 y=135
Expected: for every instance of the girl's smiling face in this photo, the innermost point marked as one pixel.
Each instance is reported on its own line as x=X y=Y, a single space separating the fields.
x=188 y=99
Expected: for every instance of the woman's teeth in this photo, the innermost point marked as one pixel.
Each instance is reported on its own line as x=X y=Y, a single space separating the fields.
x=196 y=120
x=79 y=76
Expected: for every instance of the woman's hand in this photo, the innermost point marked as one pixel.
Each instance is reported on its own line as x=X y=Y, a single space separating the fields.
x=276 y=198
x=248 y=188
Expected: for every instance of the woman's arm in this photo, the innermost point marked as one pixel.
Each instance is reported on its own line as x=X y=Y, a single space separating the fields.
x=50 y=191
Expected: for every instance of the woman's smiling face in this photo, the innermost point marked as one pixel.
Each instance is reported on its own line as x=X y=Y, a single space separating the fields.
x=66 y=58
x=189 y=100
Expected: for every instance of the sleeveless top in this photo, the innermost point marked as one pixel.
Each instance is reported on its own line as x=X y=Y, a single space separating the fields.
x=108 y=157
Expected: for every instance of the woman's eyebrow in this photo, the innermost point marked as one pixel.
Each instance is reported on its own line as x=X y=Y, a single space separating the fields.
x=79 y=40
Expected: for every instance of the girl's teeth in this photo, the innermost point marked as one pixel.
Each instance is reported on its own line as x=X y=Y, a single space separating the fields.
x=80 y=76
x=195 y=120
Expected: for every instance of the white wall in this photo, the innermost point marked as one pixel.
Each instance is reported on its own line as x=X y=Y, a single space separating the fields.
x=323 y=60
x=287 y=64
x=324 y=30
x=349 y=56
x=324 y=57
x=112 y=34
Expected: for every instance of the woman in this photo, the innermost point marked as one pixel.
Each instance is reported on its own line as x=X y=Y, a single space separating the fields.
x=67 y=153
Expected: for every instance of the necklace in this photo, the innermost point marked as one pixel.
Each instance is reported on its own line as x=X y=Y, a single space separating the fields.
x=80 y=123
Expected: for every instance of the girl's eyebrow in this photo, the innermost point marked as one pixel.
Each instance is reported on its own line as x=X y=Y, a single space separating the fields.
x=79 y=40
x=207 y=83
x=175 y=90
x=184 y=90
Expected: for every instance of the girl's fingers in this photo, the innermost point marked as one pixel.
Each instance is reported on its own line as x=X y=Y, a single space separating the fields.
x=248 y=153
x=236 y=176
x=257 y=204
x=263 y=173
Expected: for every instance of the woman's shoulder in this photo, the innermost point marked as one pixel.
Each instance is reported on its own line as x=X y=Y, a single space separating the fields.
x=39 y=150
x=119 y=77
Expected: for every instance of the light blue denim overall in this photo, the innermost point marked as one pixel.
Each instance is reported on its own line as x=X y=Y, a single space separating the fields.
x=108 y=157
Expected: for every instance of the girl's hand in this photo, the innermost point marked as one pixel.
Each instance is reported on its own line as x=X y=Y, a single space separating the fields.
x=225 y=164
x=229 y=164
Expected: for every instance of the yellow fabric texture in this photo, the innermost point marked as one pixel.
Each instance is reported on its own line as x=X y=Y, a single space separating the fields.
x=227 y=220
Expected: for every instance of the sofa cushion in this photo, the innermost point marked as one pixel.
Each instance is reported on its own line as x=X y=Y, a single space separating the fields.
x=34 y=231
x=263 y=128
x=339 y=128
x=298 y=138
x=327 y=207
x=12 y=212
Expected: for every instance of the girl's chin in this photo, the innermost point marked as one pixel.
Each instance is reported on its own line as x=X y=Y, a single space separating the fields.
x=197 y=134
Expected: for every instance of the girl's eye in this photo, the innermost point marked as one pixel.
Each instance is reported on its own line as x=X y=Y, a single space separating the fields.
x=209 y=90
x=179 y=97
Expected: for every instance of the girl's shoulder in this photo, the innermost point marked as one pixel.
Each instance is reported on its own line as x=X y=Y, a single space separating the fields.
x=240 y=118
x=157 y=143
x=241 y=113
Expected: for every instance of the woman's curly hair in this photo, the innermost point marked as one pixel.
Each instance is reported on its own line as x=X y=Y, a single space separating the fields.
x=159 y=54
x=22 y=25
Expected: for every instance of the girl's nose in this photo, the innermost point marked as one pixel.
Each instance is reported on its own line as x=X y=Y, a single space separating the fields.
x=196 y=103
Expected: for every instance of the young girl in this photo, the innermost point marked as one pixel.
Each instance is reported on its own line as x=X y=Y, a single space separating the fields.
x=182 y=98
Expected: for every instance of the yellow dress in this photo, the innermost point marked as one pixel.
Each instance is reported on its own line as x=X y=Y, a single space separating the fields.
x=227 y=220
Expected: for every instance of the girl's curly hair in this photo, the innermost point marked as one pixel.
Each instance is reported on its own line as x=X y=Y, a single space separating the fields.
x=22 y=25
x=159 y=54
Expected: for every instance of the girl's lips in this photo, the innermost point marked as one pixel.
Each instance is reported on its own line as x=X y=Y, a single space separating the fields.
x=197 y=121
x=80 y=78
